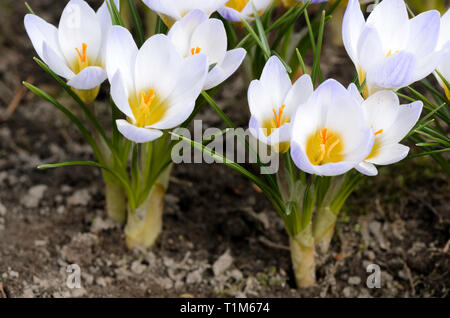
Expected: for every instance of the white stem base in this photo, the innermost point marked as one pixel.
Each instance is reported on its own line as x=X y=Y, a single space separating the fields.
x=303 y=258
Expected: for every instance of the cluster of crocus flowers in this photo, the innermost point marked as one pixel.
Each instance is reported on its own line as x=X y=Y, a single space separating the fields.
x=389 y=50
x=273 y=101
x=195 y=34
x=153 y=86
x=76 y=49
x=331 y=130
x=174 y=10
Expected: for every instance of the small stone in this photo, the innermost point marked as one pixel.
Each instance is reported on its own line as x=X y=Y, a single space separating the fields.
x=13 y=274
x=165 y=283
x=194 y=277
x=61 y=209
x=100 y=224
x=39 y=243
x=236 y=274
x=137 y=267
x=28 y=293
x=223 y=263
x=34 y=196
x=2 y=210
x=79 y=197
x=354 y=280
x=103 y=281
x=348 y=292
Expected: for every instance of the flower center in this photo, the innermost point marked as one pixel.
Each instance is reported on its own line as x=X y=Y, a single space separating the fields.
x=238 y=5
x=147 y=108
x=83 y=60
x=195 y=50
x=324 y=147
x=276 y=121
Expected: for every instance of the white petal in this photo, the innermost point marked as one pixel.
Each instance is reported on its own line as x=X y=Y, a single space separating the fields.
x=276 y=81
x=121 y=55
x=259 y=101
x=233 y=59
x=191 y=78
x=389 y=154
x=352 y=27
x=39 y=32
x=395 y=72
x=444 y=37
x=381 y=110
x=158 y=65
x=353 y=90
x=370 y=51
x=282 y=134
x=55 y=62
x=120 y=95
x=367 y=168
x=427 y=64
x=79 y=24
x=211 y=37
x=407 y=117
x=164 y=7
x=181 y=32
x=390 y=19
x=88 y=78
x=424 y=33
x=137 y=134
x=298 y=94
x=231 y=14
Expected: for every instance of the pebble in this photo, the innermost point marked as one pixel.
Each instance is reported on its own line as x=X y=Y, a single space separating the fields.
x=100 y=224
x=34 y=196
x=223 y=263
x=354 y=280
x=194 y=277
x=2 y=210
x=137 y=267
x=79 y=197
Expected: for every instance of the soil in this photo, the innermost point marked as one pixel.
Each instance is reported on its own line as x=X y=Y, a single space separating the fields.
x=221 y=237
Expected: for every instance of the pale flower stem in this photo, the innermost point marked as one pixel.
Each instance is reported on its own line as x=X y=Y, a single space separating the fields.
x=116 y=205
x=303 y=258
x=144 y=224
x=323 y=228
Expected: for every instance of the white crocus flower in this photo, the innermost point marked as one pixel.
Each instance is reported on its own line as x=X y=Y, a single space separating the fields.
x=153 y=86
x=330 y=135
x=76 y=49
x=389 y=50
x=390 y=123
x=174 y=10
x=444 y=42
x=235 y=10
x=273 y=101
x=195 y=34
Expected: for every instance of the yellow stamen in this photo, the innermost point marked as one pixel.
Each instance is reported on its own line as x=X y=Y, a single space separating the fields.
x=276 y=121
x=83 y=59
x=324 y=147
x=147 y=107
x=195 y=50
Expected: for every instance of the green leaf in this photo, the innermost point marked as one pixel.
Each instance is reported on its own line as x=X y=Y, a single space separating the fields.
x=115 y=14
x=29 y=8
x=137 y=23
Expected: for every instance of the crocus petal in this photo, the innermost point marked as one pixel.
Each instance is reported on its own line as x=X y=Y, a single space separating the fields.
x=352 y=27
x=424 y=33
x=389 y=154
x=298 y=94
x=369 y=49
x=121 y=55
x=353 y=90
x=191 y=78
x=163 y=7
x=137 y=134
x=157 y=62
x=210 y=36
x=39 y=31
x=230 y=14
x=279 y=135
x=407 y=117
x=367 y=168
x=233 y=59
x=390 y=19
x=427 y=64
x=105 y=21
x=276 y=81
x=395 y=72
x=381 y=109
x=55 y=62
x=181 y=32
x=259 y=101
x=78 y=25
x=120 y=95
x=444 y=37
x=88 y=78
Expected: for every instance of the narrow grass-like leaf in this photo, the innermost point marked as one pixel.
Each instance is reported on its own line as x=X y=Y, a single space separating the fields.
x=137 y=23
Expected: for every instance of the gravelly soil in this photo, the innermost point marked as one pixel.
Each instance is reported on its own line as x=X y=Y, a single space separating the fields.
x=221 y=237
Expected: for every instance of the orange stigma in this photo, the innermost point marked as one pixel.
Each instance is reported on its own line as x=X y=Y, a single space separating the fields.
x=324 y=136
x=377 y=132
x=195 y=50
x=146 y=99
x=278 y=117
